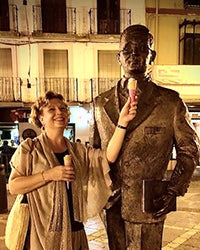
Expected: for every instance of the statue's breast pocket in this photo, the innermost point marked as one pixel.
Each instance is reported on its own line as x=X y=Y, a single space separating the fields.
x=154 y=134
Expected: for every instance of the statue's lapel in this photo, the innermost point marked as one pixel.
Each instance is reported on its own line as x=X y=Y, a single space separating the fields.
x=146 y=104
x=111 y=106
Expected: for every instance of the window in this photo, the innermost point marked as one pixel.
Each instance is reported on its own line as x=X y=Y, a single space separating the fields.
x=5 y=63
x=54 y=16
x=191 y=3
x=108 y=69
x=55 y=63
x=56 y=72
x=107 y=64
x=189 y=42
x=108 y=15
x=4 y=16
x=192 y=49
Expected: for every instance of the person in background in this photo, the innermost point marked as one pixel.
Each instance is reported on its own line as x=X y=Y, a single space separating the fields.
x=162 y=121
x=5 y=148
x=13 y=146
x=78 y=140
x=62 y=196
x=12 y=143
x=5 y=156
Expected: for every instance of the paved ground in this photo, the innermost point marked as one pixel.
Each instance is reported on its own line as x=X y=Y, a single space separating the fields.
x=181 y=231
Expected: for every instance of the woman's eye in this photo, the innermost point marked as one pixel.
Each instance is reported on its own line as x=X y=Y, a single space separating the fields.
x=51 y=109
x=64 y=109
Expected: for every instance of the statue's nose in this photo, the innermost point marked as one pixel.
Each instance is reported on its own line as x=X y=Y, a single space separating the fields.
x=135 y=51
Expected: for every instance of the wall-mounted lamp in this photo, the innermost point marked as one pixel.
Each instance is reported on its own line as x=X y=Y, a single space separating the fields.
x=28 y=84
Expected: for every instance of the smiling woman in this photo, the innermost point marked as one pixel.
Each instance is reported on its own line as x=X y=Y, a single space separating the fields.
x=49 y=102
x=58 y=192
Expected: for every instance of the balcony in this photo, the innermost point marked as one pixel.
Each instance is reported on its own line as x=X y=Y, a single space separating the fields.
x=10 y=24
x=76 y=89
x=37 y=20
x=73 y=89
x=182 y=78
x=10 y=89
x=125 y=20
x=13 y=10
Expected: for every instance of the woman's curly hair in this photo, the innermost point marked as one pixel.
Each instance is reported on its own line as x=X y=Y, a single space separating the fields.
x=42 y=101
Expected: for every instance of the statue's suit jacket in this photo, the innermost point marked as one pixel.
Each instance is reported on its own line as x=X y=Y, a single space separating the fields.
x=161 y=121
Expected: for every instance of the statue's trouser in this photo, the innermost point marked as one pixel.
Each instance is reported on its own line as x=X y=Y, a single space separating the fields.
x=145 y=236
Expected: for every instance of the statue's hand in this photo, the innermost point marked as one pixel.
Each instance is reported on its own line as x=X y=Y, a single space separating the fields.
x=164 y=204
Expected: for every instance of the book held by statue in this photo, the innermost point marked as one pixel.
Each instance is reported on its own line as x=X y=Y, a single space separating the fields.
x=152 y=190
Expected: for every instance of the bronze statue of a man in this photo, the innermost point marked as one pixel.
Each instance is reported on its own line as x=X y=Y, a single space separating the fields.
x=161 y=122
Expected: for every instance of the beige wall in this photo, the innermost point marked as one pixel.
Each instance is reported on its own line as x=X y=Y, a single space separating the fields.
x=165 y=3
x=83 y=49
x=165 y=29
x=82 y=52
x=182 y=78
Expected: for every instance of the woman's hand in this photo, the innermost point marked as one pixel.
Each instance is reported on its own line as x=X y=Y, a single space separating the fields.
x=60 y=173
x=128 y=112
x=24 y=184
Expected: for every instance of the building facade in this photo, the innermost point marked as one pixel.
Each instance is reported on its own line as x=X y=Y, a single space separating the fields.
x=70 y=46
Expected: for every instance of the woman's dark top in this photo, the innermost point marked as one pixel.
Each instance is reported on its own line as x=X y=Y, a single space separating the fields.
x=75 y=225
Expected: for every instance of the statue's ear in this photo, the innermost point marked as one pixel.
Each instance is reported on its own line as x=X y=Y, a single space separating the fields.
x=153 y=56
x=118 y=58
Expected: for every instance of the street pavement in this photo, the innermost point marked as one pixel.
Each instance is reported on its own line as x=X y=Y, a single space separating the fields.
x=181 y=230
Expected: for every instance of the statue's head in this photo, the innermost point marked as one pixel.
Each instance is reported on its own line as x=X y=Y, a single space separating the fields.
x=137 y=32
x=135 y=49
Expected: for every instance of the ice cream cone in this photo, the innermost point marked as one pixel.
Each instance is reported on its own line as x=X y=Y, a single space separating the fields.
x=132 y=84
x=67 y=161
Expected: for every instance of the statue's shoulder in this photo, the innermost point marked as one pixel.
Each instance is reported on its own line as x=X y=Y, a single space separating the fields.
x=165 y=91
x=108 y=94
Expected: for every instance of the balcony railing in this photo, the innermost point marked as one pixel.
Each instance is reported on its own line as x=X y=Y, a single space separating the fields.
x=78 y=90
x=65 y=86
x=73 y=89
x=13 y=12
x=37 y=19
x=125 y=19
x=10 y=89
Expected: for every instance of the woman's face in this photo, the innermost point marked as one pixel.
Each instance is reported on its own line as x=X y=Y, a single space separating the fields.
x=55 y=115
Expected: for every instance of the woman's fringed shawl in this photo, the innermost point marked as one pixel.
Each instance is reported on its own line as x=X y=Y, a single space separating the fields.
x=50 y=222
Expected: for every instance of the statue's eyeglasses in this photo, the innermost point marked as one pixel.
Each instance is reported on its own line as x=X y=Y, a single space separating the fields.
x=135 y=51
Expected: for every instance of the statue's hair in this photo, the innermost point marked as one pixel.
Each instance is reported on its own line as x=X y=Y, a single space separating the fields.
x=137 y=31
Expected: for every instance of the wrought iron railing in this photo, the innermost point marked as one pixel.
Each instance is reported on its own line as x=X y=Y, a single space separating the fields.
x=73 y=89
x=10 y=89
x=37 y=19
x=13 y=12
x=78 y=90
x=125 y=19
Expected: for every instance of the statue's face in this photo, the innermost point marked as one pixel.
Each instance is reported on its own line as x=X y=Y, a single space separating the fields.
x=134 y=55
